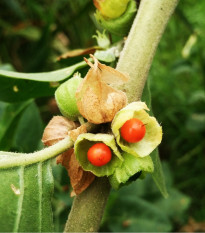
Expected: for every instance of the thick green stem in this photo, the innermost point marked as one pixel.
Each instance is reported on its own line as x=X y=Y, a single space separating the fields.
x=88 y=207
x=141 y=44
x=136 y=58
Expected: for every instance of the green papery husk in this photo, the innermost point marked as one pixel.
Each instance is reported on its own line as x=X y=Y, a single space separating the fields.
x=130 y=167
x=121 y=25
x=153 y=135
x=85 y=141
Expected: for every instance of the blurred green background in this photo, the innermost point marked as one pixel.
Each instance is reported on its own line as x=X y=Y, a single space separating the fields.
x=34 y=33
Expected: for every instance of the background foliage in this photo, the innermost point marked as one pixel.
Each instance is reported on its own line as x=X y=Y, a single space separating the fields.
x=34 y=33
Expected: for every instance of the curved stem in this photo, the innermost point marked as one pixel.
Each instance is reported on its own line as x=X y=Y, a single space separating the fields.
x=136 y=58
x=12 y=159
x=16 y=159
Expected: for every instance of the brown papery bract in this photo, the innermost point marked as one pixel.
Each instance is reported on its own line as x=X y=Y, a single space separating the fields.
x=79 y=178
x=57 y=129
x=78 y=52
x=96 y=100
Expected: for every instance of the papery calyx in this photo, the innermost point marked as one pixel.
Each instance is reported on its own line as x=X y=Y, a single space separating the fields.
x=153 y=135
x=96 y=100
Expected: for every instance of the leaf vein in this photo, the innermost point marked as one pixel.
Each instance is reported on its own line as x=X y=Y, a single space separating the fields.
x=40 y=194
x=20 y=201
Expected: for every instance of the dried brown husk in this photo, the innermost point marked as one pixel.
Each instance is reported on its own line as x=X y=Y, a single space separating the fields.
x=76 y=132
x=78 y=52
x=79 y=178
x=58 y=128
x=96 y=100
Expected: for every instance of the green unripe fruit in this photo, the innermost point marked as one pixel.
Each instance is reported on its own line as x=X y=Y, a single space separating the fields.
x=111 y=8
x=65 y=98
x=121 y=25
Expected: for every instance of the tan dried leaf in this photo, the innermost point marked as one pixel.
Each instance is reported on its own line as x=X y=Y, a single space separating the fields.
x=78 y=52
x=57 y=129
x=112 y=76
x=64 y=158
x=79 y=178
x=96 y=100
x=76 y=132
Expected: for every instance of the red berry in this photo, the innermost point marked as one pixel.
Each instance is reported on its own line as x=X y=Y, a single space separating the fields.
x=133 y=130
x=99 y=154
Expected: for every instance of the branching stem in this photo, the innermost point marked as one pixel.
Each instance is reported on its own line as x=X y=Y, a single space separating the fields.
x=16 y=159
x=136 y=59
x=12 y=159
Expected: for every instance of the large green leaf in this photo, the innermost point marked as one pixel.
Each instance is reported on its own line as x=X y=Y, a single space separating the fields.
x=16 y=86
x=25 y=198
x=9 y=116
x=29 y=130
x=21 y=126
x=26 y=189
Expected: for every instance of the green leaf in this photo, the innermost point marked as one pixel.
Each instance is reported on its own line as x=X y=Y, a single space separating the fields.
x=25 y=198
x=85 y=141
x=9 y=116
x=146 y=95
x=130 y=166
x=30 y=33
x=129 y=212
x=29 y=130
x=196 y=122
x=175 y=205
x=158 y=175
x=16 y=86
x=26 y=189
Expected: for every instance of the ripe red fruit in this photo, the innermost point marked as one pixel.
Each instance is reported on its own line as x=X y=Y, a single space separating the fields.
x=133 y=130
x=99 y=154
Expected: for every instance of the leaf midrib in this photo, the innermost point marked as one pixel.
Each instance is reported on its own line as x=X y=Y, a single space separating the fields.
x=20 y=200
x=40 y=194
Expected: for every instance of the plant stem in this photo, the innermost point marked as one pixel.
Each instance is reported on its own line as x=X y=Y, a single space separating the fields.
x=88 y=207
x=141 y=44
x=136 y=58
x=12 y=159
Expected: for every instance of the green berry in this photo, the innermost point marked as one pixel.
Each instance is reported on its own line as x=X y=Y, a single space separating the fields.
x=65 y=97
